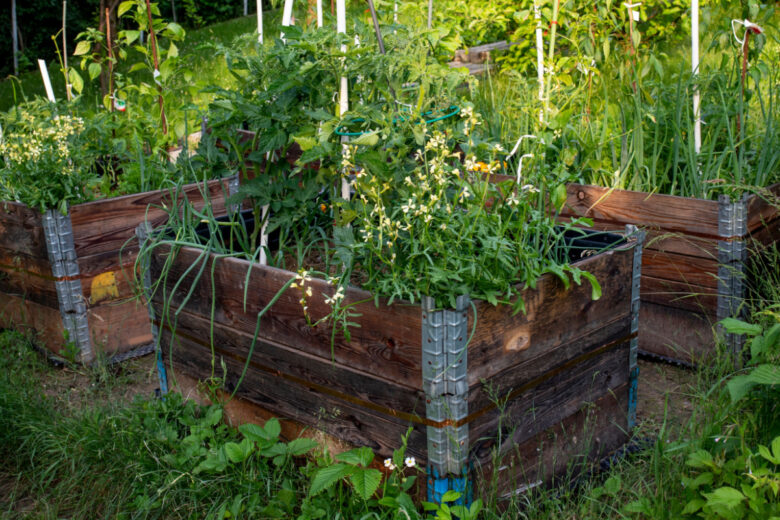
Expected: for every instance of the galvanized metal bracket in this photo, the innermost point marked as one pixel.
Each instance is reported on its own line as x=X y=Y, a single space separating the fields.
x=638 y=236
x=732 y=254
x=233 y=185
x=445 y=383
x=142 y=232
x=61 y=249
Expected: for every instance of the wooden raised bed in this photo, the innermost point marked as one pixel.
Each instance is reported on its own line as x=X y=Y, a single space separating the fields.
x=693 y=268
x=567 y=368
x=70 y=277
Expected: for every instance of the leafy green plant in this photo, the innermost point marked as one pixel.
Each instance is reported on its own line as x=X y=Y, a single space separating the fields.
x=764 y=363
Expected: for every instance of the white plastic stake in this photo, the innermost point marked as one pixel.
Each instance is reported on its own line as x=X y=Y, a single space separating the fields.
x=46 y=80
x=430 y=14
x=341 y=27
x=395 y=12
x=319 y=13
x=695 y=70
x=264 y=237
x=260 y=21
x=539 y=59
x=287 y=15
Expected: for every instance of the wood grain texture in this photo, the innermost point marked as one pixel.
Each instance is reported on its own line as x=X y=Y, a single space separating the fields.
x=17 y=281
x=676 y=333
x=654 y=211
x=296 y=364
x=550 y=403
x=564 y=450
x=350 y=423
x=691 y=270
x=386 y=343
x=119 y=327
x=21 y=230
x=531 y=371
x=763 y=207
x=554 y=316
x=42 y=322
x=109 y=225
x=679 y=295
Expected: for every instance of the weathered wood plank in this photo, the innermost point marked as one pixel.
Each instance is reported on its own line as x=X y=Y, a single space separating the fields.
x=21 y=230
x=562 y=450
x=296 y=364
x=532 y=368
x=18 y=261
x=655 y=211
x=691 y=270
x=119 y=327
x=763 y=207
x=109 y=225
x=374 y=347
x=353 y=424
x=676 y=333
x=554 y=316
x=44 y=323
x=680 y=243
x=549 y=403
x=679 y=295
x=17 y=281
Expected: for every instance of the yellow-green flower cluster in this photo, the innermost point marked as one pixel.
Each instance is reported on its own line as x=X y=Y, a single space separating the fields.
x=33 y=143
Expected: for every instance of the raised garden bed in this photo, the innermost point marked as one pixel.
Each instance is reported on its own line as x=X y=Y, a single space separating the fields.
x=566 y=370
x=69 y=277
x=694 y=265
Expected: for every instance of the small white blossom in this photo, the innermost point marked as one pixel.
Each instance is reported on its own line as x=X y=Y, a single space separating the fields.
x=410 y=462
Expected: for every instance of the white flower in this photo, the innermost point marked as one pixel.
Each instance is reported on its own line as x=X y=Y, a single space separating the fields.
x=410 y=462
x=389 y=464
x=530 y=188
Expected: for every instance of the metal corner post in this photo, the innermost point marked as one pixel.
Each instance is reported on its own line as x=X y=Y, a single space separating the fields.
x=636 y=278
x=445 y=383
x=732 y=253
x=142 y=233
x=61 y=249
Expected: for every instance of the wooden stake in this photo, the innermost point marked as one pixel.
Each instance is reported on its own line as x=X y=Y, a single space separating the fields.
x=110 y=63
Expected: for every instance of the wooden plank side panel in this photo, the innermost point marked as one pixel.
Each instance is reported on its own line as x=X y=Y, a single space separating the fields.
x=386 y=342
x=119 y=327
x=21 y=230
x=524 y=376
x=659 y=212
x=350 y=423
x=109 y=225
x=554 y=316
x=19 y=282
x=11 y=260
x=550 y=403
x=676 y=333
x=685 y=269
x=44 y=323
x=679 y=295
x=294 y=364
x=763 y=207
x=563 y=450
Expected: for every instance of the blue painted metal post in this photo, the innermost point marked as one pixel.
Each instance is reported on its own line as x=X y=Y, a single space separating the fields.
x=637 y=235
x=444 y=361
x=142 y=233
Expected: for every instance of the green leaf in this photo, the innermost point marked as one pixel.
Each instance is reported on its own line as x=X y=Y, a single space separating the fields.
x=175 y=29
x=82 y=48
x=130 y=36
x=693 y=506
x=234 y=452
x=739 y=386
x=765 y=343
x=735 y=326
x=305 y=142
x=301 y=446
x=725 y=496
x=595 y=286
x=75 y=80
x=700 y=459
x=173 y=51
x=94 y=70
x=328 y=476
x=765 y=375
x=124 y=7
x=261 y=434
x=613 y=485
x=450 y=496
x=357 y=457
x=366 y=481
x=369 y=139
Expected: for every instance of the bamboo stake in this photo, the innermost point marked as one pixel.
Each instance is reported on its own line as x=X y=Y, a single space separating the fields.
x=540 y=60
x=110 y=63
x=15 y=37
x=68 y=92
x=153 y=41
x=430 y=13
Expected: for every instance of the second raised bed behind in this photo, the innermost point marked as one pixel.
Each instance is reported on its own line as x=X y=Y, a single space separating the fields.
x=531 y=392
x=694 y=268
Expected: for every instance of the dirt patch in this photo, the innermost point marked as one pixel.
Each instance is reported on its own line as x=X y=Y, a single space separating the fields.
x=664 y=390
